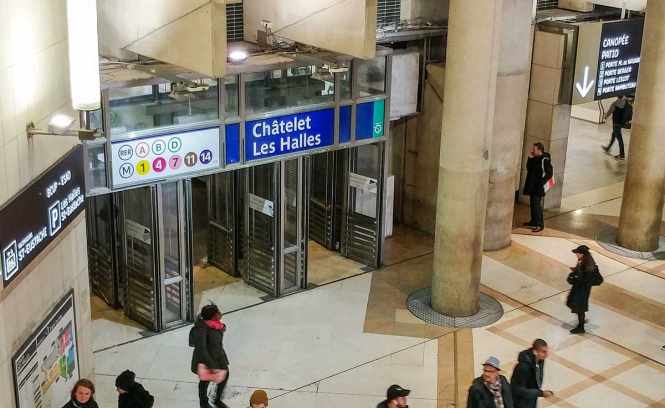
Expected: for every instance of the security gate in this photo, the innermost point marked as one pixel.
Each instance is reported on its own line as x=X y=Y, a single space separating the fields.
x=322 y=198
x=101 y=245
x=272 y=255
x=362 y=229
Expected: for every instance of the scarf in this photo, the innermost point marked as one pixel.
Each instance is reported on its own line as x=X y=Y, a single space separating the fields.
x=495 y=389
x=214 y=324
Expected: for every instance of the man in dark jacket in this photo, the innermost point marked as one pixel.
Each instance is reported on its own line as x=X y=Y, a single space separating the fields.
x=621 y=112
x=395 y=398
x=527 y=379
x=207 y=338
x=130 y=393
x=538 y=172
x=491 y=390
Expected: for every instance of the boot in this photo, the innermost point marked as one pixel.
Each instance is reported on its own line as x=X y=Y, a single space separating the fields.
x=578 y=330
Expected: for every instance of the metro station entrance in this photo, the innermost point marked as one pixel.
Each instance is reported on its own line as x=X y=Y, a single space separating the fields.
x=239 y=237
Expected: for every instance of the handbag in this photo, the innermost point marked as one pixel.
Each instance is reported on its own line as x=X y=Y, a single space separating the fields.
x=596 y=277
x=550 y=183
x=206 y=374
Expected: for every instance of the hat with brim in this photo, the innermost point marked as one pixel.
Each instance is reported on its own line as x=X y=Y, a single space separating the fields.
x=493 y=362
x=582 y=249
x=395 y=391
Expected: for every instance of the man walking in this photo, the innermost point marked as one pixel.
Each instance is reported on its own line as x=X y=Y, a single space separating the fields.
x=621 y=112
x=538 y=172
x=527 y=379
x=490 y=390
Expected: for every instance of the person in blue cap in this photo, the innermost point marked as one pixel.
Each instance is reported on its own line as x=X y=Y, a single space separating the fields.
x=491 y=389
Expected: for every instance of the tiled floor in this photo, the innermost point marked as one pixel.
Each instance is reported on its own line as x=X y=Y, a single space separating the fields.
x=343 y=343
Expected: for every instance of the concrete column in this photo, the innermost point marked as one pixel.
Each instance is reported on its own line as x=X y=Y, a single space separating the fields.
x=512 y=92
x=468 y=119
x=642 y=207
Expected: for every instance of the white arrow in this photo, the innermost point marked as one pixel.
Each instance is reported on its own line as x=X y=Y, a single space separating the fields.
x=586 y=87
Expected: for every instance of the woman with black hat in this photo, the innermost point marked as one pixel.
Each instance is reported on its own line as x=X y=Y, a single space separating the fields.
x=130 y=393
x=582 y=277
x=209 y=359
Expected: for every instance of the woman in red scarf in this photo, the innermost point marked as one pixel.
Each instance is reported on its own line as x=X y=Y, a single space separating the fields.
x=209 y=360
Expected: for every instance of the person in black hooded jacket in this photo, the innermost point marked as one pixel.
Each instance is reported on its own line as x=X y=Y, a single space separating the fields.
x=130 y=393
x=528 y=374
x=207 y=338
x=538 y=172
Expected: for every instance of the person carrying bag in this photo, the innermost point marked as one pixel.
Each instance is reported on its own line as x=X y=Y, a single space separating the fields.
x=209 y=360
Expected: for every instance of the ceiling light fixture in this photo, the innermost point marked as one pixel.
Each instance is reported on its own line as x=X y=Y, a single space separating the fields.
x=238 y=56
x=83 y=54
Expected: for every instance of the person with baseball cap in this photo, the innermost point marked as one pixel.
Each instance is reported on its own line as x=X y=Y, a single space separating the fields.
x=491 y=389
x=259 y=399
x=395 y=397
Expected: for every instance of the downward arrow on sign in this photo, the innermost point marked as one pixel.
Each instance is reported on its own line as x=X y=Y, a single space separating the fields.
x=586 y=86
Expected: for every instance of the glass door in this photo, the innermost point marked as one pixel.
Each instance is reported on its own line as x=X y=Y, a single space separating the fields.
x=362 y=230
x=139 y=255
x=174 y=254
x=292 y=219
x=322 y=199
x=222 y=222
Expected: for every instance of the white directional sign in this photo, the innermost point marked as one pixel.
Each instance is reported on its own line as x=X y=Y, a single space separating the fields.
x=586 y=85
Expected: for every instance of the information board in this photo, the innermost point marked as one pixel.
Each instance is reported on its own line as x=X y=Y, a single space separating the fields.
x=619 y=58
x=160 y=157
x=35 y=216
x=46 y=367
x=286 y=134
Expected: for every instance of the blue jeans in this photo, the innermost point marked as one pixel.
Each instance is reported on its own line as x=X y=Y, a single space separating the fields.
x=618 y=136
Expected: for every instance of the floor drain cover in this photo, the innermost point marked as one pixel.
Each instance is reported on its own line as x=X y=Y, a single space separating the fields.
x=608 y=241
x=419 y=303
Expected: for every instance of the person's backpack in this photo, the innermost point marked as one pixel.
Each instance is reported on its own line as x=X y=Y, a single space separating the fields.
x=627 y=115
x=596 y=277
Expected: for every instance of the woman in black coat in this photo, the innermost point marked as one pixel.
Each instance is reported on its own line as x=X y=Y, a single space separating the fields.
x=581 y=278
x=83 y=395
x=207 y=338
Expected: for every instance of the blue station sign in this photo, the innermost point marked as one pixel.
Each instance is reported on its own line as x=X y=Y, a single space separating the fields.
x=277 y=136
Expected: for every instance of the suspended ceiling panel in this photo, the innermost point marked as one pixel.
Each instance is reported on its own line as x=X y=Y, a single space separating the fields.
x=343 y=26
x=187 y=33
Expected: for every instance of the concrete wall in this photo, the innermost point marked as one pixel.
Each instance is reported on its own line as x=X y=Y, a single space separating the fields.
x=347 y=26
x=547 y=120
x=35 y=79
x=187 y=33
x=421 y=160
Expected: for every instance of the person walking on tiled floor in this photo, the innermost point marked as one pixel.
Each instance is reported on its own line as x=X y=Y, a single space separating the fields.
x=622 y=114
x=527 y=379
x=491 y=389
x=582 y=277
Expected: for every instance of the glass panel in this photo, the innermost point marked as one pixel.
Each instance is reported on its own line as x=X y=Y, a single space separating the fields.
x=231 y=97
x=298 y=86
x=170 y=230
x=345 y=84
x=147 y=107
x=96 y=170
x=372 y=76
x=290 y=218
x=172 y=311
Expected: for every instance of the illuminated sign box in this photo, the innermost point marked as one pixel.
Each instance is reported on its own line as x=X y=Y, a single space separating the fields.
x=607 y=59
x=34 y=217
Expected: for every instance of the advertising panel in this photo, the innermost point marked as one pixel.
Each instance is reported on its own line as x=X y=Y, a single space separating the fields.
x=161 y=157
x=287 y=134
x=46 y=367
x=41 y=211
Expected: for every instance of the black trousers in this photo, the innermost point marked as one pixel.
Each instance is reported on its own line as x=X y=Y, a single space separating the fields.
x=219 y=391
x=618 y=136
x=536 y=205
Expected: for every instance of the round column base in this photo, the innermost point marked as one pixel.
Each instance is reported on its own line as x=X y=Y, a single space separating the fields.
x=608 y=241
x=419 y=304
